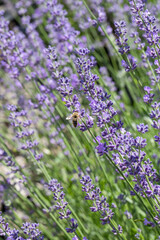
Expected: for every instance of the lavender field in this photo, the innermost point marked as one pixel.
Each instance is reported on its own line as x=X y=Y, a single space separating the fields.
x=80 y=119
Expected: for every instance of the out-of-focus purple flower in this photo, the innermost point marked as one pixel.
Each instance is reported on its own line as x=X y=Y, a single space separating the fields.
x=73 y=226
x=116 y=231
x=147 y=89
x=9 y=162
x=142 y=128
x=148 y=223
x=128 y=214
x=102 y=149
x=130 y=65
x=76 y=238
x=18 y=119
x=2 y=154
x=137 y=236
x=82 y=51
x=148 y=98
x=107 y=79
x=32 y=231
x=157 y=139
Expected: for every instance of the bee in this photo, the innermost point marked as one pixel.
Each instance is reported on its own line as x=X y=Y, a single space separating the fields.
x=75 y=116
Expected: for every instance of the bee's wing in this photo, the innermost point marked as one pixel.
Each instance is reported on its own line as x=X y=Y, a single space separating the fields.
x=69 y=117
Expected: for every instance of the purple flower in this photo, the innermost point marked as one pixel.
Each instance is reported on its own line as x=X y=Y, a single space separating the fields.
x=148 y=98
x=116 y=231
x=30 y=230
x=120 y=31
x=102 y=149
x=24 y=134
x=148 y=223
x=99 y=202
x=82 y=51
x=140 y=142
x=157 y=139
x=147 y=89
x=76 y=238
x=137 y=236
x=73 y=226
x=128 y=214
x=142 y=128
x=145 y=21
x=130 y=64
x=61 y=205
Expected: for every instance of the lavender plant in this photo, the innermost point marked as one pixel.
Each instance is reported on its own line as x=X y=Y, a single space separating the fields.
x=101 y=64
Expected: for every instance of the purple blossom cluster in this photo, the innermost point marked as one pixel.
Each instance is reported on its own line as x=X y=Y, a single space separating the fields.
x=120 y=30
x=58 y=195
x=29 y=230
x=8 y=161
x=144 y=20
x=142 y=128
x=21 y=124
x=99 y=203
x=115 y=142
x=82 y=16
x=121 y=41
x=61 y=205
